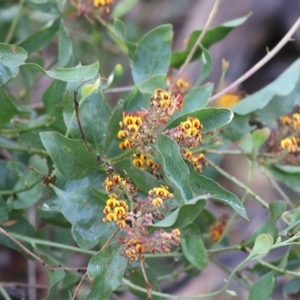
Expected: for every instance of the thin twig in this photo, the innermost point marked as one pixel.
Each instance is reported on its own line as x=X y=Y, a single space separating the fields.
x=4 y=293
x=11 y=192
x=78 y=286
x=238 y=183
x=24 y=149
x=148 y=285
x=23 y=284
x=119 y=89
x=261 y=63
x=110 y=238
x=196 y=45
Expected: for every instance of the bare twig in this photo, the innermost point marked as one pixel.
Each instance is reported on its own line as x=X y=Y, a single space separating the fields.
x=25 y=285
x=110 y=238
x=119 y=89
x=78 y=286
x=196 y=45
x=261 y=63
x=148 y=285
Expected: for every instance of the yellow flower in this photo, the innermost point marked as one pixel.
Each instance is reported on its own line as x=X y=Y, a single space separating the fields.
x=157 y=202
x=228 y=100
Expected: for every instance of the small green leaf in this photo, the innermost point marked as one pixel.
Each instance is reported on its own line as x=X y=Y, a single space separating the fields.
x=281 y=86
x=192 y=246
x=262 y=247
x=231 y=293
x=169 y=157
x=12 y=56
x=194 y=100
x=210 y=118
x=277 y=208
x=4 y=210
x=7 y=73
x=154 y=82
x=71 y=157
x=106 y=269
x=76 y=74
x=263 y=288
x=84 y=210
x=183 y=215
x=65 y=48
x=114 y=77
x=152 y=54
x=291 y=287
x=259 y=136
x=113 y=124
x=41 y=38
x=140 y=178
x=211 y=37
x=205 y=186
x=55 y=276
x=8 y=108
x=122 y=8
x=206 y=66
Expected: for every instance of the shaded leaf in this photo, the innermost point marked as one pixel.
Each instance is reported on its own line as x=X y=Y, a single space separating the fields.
x=47 y=6
x=205 y=186
x=136 y=100
x=291 y=287
x=106 y=269
x=84 y=210
x=183 y=215
x=123 y=8
x=65 y=48
x=152 y=54
x=154 y=82
x=211 y=37
x=263 y=288
x=71 y=157
x=192 y=246
x=206 y=66
x=7 y=73
x=143 y=180
x=8 y=108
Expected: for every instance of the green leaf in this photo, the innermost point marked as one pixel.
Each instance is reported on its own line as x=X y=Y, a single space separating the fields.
x=183 y=215
x=259 y=137
x=122 y=8
x=113 y=126
x=281 y=86
x=202 y=185
x=106 y=269
x=291 y=287
x=94 y=115
x=291 y=179
x=262 y=247
x=41 y=38
x=65 y=49
x=8 y=108
x=143 y=180
x=71 y=157
x=114 y=77
x=154 y=82
x=4 y=210
x=206 y=66
x=12 y=56
x=192 y=246
x=136 y=100
x=22 y=227
x=195 y=99
x=277 y=208
x=211 y=37
x=7 y=73
x=83 y=209
x=152 y=54
x=263 y=288
x=76 y=74
x=169 y=157
x=55 y=276
x=47 y=6
x=27 y=198
x=210 y=118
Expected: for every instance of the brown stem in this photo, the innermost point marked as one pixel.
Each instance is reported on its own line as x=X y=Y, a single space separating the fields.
x=148 y=285
x=78 y=286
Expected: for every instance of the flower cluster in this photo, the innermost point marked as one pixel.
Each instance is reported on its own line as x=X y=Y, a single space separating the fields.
x=89 y=8
x=197 y=159
x=115 y=211
x=217 y=228
x=292 y=121
x=146 y=163
x=118 y=185
x=291 y=144
x=103 y=3
x=181 y=85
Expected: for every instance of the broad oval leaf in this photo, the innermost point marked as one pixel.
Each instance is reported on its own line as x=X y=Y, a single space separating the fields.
x=184 y=215
x=84 y=210
x=263 y=288
x=177 y=172
x=12 y=56
x=192 y=246
x=210 y=118
x=152 y=54
x=71 y=157
x=205 y=186
x=106 y=269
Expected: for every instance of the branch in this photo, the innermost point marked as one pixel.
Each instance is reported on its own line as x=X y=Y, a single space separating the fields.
x=196 y=45
x=261 y=63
